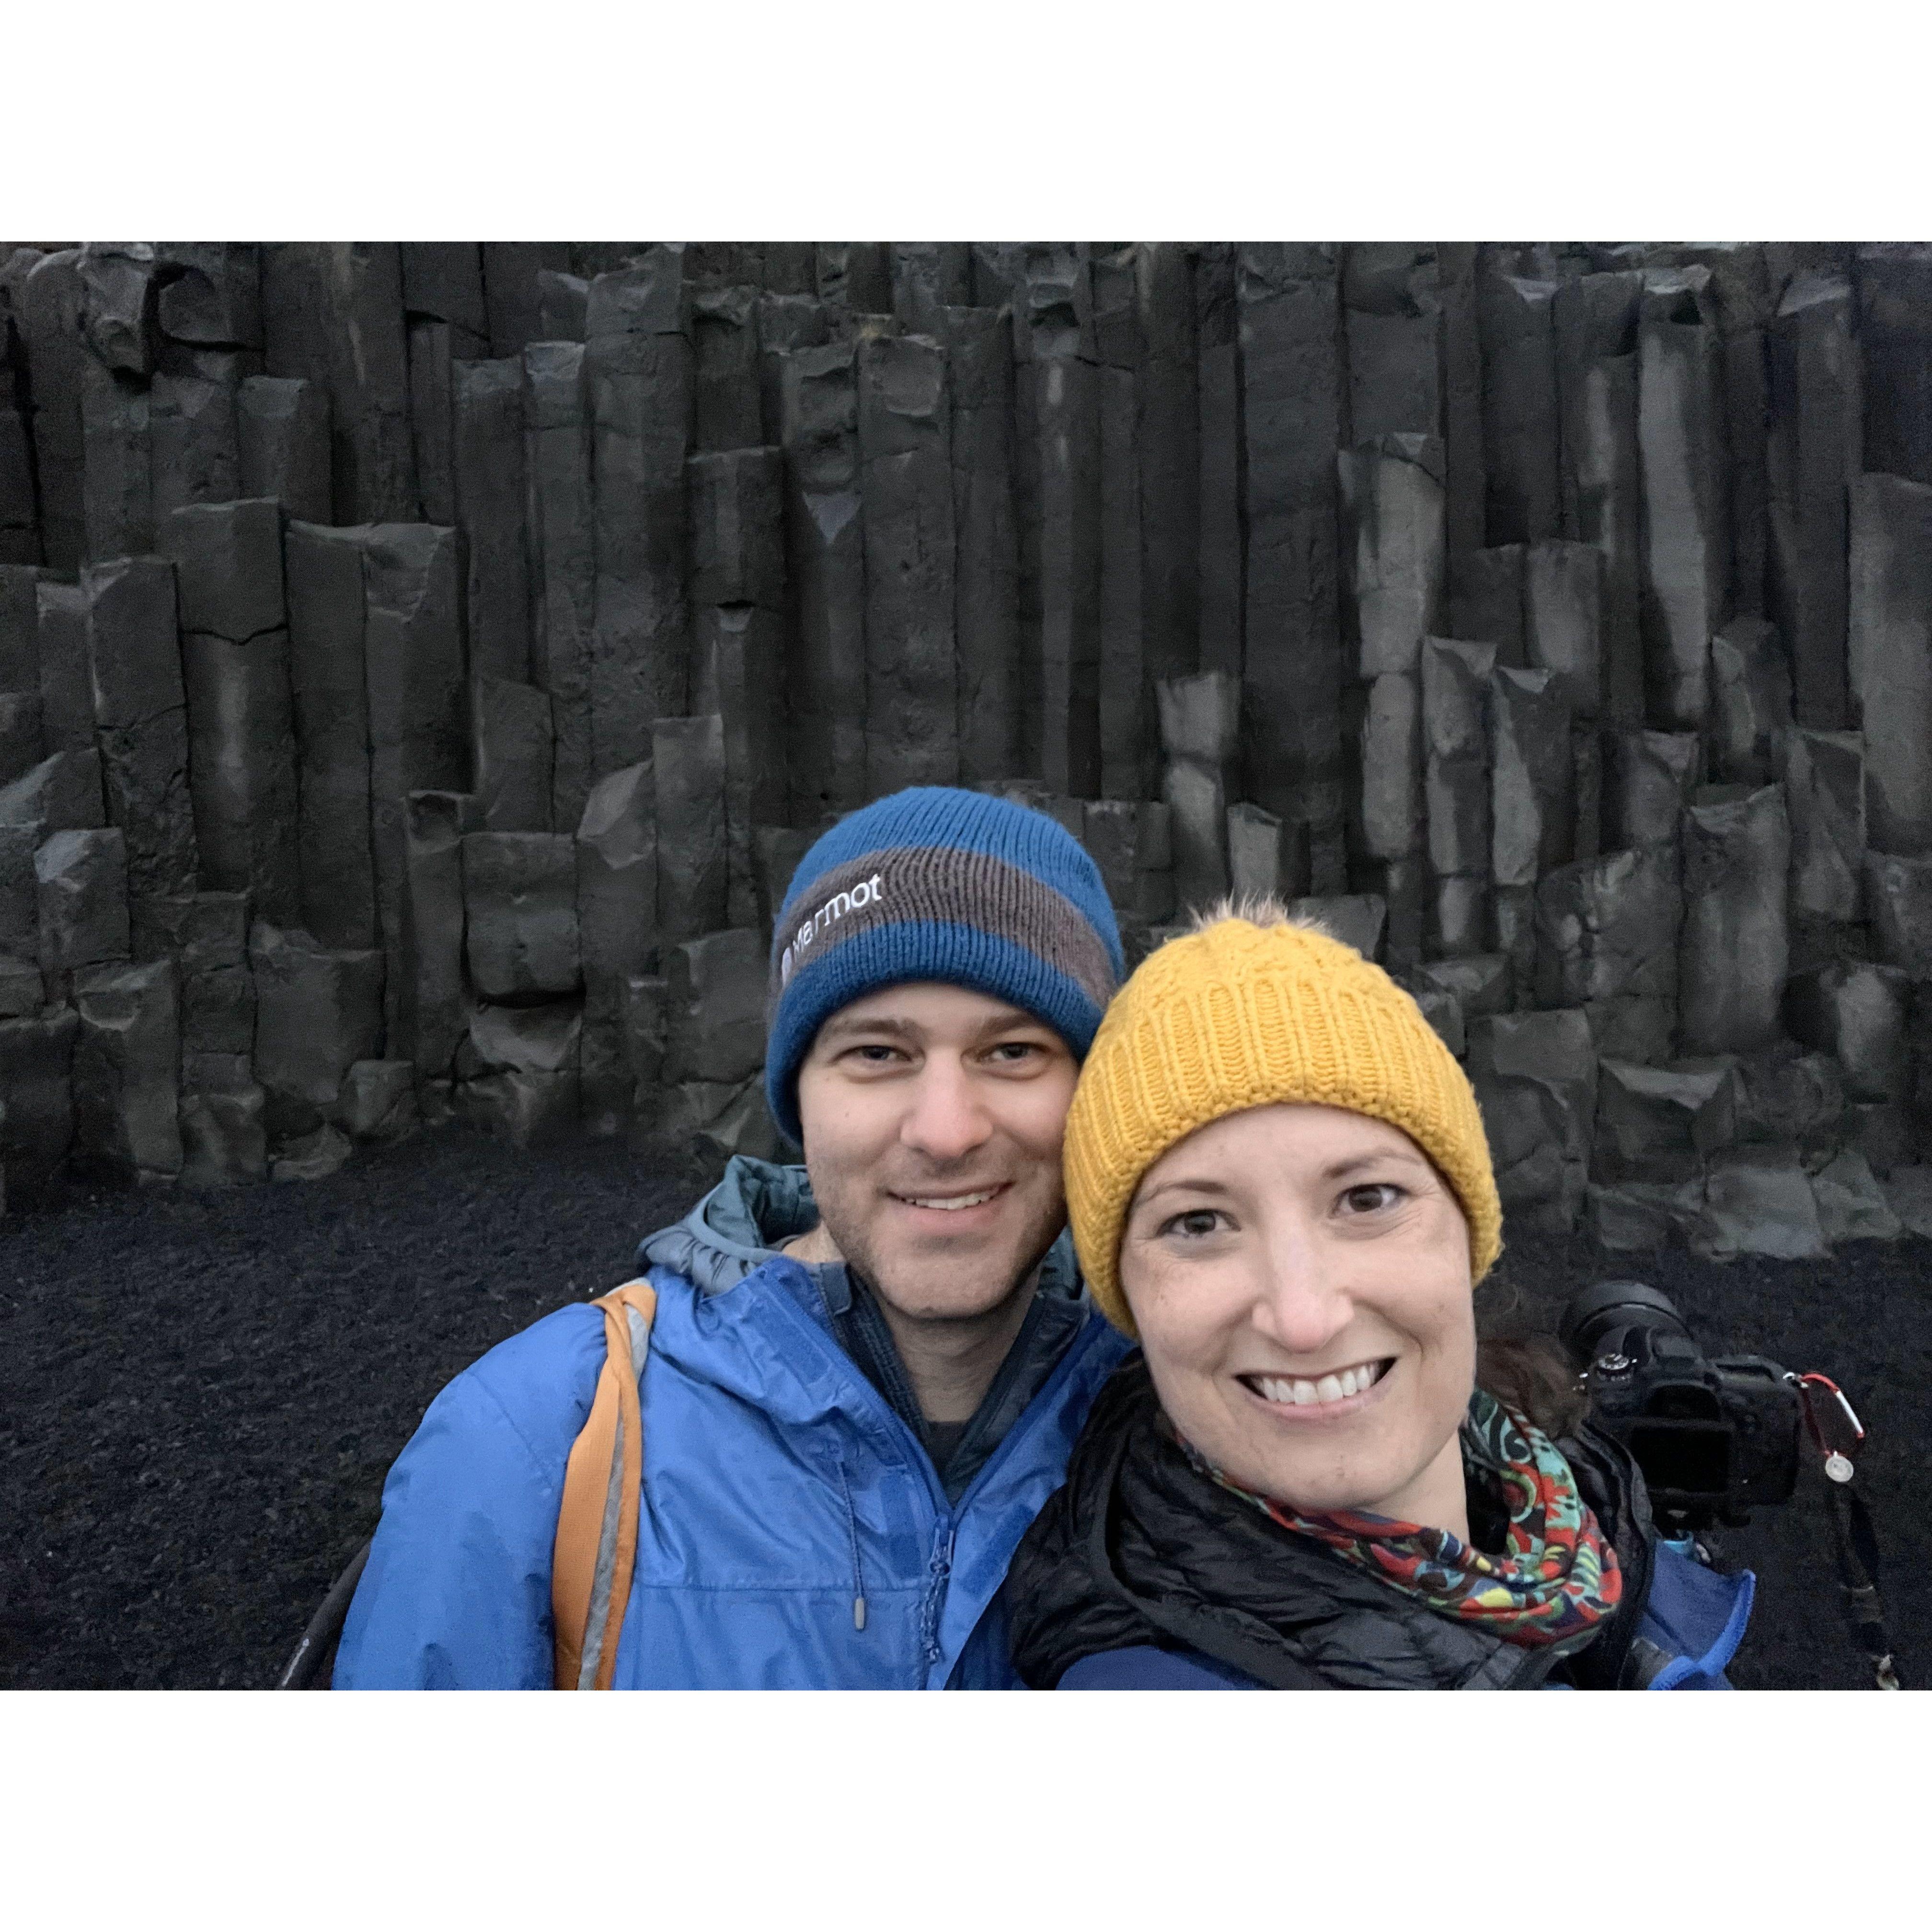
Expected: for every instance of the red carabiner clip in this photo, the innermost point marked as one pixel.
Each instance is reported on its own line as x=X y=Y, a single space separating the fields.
x=1837 y=1464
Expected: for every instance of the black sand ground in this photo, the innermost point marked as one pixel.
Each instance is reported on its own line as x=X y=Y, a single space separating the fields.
x=199 y=1395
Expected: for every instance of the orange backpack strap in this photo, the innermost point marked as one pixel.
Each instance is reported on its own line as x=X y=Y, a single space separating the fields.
x=603 y=1484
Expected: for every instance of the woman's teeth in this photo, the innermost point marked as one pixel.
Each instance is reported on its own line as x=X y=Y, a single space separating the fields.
x=949 y=1202
x=1293 y=1392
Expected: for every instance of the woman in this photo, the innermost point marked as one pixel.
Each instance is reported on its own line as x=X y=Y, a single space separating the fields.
x=1278 y=1180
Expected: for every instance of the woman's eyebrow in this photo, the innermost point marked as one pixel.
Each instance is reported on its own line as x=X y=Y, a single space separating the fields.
x=1204 y=1184
x=1355 y=1163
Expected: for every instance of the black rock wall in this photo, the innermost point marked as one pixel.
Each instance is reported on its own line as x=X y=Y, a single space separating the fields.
x=422 y=664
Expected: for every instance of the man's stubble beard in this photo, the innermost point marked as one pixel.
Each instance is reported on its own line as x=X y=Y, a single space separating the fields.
x=926 y=1286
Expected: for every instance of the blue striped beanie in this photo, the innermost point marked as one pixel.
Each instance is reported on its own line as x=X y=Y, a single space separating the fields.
x=934 y=884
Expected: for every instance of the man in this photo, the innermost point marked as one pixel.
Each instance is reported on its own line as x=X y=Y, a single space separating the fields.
x=865 y=1375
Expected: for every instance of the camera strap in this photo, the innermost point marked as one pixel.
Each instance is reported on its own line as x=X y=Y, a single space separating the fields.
x=1854 y=1540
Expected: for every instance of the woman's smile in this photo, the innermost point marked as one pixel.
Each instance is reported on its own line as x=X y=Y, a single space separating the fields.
x=1327 y=1397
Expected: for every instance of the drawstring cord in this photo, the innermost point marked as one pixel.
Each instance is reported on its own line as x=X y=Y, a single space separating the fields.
x=852 y=1531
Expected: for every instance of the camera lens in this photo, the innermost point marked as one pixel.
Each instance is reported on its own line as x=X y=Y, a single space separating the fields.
x=1605 y=1307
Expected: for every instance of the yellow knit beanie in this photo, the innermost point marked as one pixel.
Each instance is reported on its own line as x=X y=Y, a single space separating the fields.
x=1240 y=1015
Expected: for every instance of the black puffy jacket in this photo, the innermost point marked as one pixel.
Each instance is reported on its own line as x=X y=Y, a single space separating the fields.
x=1140 y=1548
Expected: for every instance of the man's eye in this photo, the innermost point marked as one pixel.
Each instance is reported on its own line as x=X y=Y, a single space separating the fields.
x=1194 y=1224
x=1014 y=1052
x=1371 y=1198
x=874 y=1054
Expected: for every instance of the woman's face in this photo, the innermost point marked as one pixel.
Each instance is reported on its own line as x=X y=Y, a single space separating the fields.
x=1300 y=1279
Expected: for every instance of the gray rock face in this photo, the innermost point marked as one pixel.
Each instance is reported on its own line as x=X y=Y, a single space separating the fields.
x=716 y=1007
x=281 y=430
x=1607 y=936
x=36 y=1087
x=1058 y=507
x=986 y=549
x=1890 y=655
x=1563 y=620
x=197 y=442
x=1132 y=842
x=1858 y=1014
x=1479 y=983
x=825 y=754
x=487 y=469
x=20 y=647
x=1392 y=502
x=140 y=713
x=617 y=911
x=1291 y=378
x=1645 y=1214
x=514 y=755
x=689 y=780
x=1647 y=782
x=1535 y=1079
x=314 y=1155
x=724 y=338
x=127 y=1070
x=786 y=322
x=520 y=914
x=235 y=656
x=563 y=301
x=1392 y=810
x=433 y=1009
x=740 y=660
x=22 y=746
x=333 y=312
x=418 y=712
x=513 y=273
x=1456 y=741
x=638 y=365
x=1533 y=780
x=1486 y=600
x=444 y=280
x=82 y=883
x=1758 y=1201
x=378 y=1100
x=1790 y=1098
x=47 y=307
x=1596 y=319
x=563 y=557
x=223 y=1120
x=61 y=794
x=1750 y=702
x=1813 y=455
x=1200 y=725
x=1661 y=1124
x=1735 y=950
x=317 y=1012
x=117 y=492
x=1825 y=787
x=1520 y=406
x=1686 y=513
x=1356 y=919
x=20 y=893
x=1851 y=1204
x=528 y=1090
x=22 y=994
x=1261 y=859
x=737 y=551
x=66 y=691
x=329 y=697
x=433 y=417
x=1126 y=695
x=1898 y=897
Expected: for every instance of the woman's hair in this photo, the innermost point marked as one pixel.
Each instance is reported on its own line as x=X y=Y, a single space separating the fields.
x=1533 y=1375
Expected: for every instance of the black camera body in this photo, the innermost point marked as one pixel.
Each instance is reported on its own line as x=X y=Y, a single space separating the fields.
x=1714 y=1437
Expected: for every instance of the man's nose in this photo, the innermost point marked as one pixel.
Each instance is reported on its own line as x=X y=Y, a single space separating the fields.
x=946 y=1119
x=1305 y=1301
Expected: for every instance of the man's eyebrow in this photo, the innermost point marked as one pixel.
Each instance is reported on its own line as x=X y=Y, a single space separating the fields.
x=841 y=1024
x=1009 y=1020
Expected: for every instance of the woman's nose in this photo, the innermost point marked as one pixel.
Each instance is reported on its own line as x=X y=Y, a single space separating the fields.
x=1304 y=1301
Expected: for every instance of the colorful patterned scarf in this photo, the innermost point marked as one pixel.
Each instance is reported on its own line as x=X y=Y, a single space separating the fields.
x=1558 y=1576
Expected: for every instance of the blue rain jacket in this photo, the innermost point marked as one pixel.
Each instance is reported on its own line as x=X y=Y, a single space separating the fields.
x=780 y=1491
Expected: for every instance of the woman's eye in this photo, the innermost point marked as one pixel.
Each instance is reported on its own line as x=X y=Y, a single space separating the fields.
x=1371 y=1198
x=1194 y=1224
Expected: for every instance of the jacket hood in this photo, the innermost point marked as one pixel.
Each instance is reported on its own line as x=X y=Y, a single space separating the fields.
x=758 y=1207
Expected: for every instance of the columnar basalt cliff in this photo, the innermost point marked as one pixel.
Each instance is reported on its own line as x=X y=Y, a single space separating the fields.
x=422 y=664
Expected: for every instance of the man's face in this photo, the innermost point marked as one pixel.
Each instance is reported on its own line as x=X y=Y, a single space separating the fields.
x=932 y=1119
